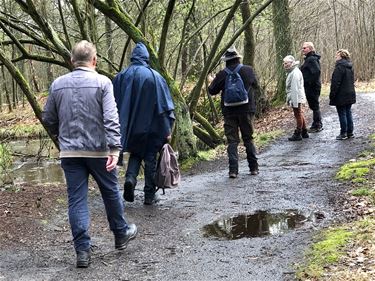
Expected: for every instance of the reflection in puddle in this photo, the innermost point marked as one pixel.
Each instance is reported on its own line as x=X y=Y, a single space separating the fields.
x=259 y=224
x=45 y=172
x=27 y=169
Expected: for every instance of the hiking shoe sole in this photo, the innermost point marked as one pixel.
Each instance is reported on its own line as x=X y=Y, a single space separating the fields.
x=341 y=137
x=315 y=130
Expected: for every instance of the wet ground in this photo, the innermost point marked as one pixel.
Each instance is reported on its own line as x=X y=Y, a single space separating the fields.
x=213 y=228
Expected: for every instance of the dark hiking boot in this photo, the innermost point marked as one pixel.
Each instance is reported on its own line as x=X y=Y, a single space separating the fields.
x=341 y=137
x=305 y=135
x=122 y=242
x=232 y=175
x=83 y=259
x=152 y=200
x=315 y=129
x=296 y=136
x=254 y=172
x=350 y=135
x=129 y=186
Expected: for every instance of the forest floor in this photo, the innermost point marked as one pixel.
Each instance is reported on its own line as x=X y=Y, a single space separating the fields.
x=174 y=242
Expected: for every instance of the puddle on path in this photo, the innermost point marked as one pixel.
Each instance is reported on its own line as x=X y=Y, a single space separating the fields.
x=259 y=224
x=45 y=172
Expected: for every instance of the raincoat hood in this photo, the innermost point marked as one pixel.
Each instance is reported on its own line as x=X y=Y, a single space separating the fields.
x=140 y=54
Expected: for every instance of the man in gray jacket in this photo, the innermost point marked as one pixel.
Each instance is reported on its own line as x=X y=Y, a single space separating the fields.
x=82 y=114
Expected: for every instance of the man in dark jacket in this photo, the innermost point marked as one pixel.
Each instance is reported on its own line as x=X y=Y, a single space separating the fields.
x=146 y=113
x=238 y=117
x=311 y=76
x=342 y=94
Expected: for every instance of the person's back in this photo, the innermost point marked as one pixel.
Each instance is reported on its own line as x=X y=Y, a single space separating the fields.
x=342 y=84
x=249 y=81
x=240 y=117
x=144 y=104
x=342 y=93
x=80 y=96
x=81 y=112
x=146 y=114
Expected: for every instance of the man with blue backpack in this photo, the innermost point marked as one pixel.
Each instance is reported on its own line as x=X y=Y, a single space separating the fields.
x=237 y=83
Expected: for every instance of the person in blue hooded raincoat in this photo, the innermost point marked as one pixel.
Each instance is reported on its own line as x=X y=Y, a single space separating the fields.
x=146 y=114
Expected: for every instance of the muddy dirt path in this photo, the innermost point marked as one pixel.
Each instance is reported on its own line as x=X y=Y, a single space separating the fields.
x=295 y=178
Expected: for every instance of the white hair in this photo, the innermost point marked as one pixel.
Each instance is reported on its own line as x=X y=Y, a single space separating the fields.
x=289 y=58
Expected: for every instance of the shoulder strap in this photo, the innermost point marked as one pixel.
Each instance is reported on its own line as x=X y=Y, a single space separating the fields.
x=238 y=67
x=227 y=70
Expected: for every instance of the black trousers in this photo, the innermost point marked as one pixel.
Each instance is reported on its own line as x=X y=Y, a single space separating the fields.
x=312 y=96
x=233 y=124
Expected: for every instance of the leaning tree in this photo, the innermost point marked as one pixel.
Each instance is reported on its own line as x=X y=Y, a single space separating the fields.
x=46 y=35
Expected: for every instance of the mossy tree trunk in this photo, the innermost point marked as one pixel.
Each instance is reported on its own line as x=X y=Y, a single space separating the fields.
x=184 y=140
x=261 y=99
x=249 y=42
x=26 y=89
x=283 y=43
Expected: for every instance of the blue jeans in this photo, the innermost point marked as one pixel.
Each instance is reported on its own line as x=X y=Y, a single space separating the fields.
x=232 y=125
x=77 y=171
x=346 y=119
x=134 y=165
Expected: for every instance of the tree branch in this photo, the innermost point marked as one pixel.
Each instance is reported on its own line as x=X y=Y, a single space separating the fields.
x=46 y=28
x=21 y=81
x=39 y=41
x=197 y=89
x=67 y=39
x=164 y=32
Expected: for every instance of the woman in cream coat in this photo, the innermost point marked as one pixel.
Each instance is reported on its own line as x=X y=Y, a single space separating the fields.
x=295 y=96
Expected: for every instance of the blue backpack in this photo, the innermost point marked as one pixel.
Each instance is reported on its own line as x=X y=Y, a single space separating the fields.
x=235 y=93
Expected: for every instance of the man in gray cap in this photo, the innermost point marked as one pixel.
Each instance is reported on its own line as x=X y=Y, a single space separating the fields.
x=237 y=116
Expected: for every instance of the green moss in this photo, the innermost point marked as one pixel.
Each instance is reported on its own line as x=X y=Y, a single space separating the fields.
x=359 y=180
x=325 y=252
x=6 y=161
x=201 y=156
x=366 y=154
x=262 y=140
x=43 y=94
x=362 y=192
x=6 y=158
x=352 y=171
x=188 y=163
x=365 y=223
x=22 y=131
x=61 y=201
x=207 y=155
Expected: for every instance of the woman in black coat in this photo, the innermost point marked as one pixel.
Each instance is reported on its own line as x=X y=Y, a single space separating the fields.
x=342 y=94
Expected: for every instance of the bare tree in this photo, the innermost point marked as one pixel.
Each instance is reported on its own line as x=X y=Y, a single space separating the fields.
x=283 y=41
